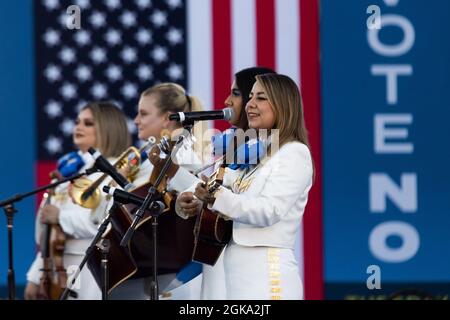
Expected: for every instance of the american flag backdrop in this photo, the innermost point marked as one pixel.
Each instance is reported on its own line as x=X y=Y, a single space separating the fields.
x=126 y=46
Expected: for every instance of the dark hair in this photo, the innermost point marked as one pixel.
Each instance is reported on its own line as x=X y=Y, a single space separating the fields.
x=244 y=81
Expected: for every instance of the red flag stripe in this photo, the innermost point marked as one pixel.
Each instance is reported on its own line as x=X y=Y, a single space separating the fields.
x=265 y=33
x=310 y=87
x=43 y=169
x=222 y=52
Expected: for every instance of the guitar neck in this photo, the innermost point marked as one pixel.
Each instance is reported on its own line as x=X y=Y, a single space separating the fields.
x=216 y=179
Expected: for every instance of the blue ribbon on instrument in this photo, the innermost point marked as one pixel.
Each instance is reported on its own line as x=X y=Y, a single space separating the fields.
x=70 y=164
x=144 y=156
x=247 y=154
x=186 y=274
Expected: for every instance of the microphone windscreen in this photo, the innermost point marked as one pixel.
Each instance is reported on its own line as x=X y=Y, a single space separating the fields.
x=70 y=164
x=228 y=114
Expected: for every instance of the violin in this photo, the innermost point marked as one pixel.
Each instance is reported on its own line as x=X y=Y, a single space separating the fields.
x=54 y=277
x=52 y=238
x=52 y=242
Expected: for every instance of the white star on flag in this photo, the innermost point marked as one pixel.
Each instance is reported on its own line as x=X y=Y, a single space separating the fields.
x=83 y=4
x=97 y=19
x=174 y=4
x=83 y=73
x=53 y=109
x=129 y=90
x=128 y=55
x=174 y=36
x=52 y=73
x=51 y=4
x=99 y=91
x=82 y=37
x=67 y=55
x=144 y=72
x=113 y=37
x=143 y=36
x=98 y=55
x=52 y=37
x=128 y=19
x=159 y=18
x=68 y=91
x=53 y=145
x=175 y=72
x=131 y=126
x=67 y=127
x=143 y=4
x=112 y=4
x=159 y=54
x=114 y=73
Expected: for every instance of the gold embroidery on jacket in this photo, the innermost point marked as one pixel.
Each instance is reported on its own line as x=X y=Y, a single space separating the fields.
x=273 y=262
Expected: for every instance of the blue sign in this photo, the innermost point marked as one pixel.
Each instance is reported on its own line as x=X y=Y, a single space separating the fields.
x=385 y=110
x=17 y=153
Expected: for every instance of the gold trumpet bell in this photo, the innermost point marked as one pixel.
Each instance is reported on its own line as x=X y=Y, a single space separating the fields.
x=86 y=193
x=83 y=195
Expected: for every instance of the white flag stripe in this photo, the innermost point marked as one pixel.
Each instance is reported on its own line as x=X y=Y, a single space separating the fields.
x=200 y=78
x=287 y=42
x=243 y=27
x=287 y=37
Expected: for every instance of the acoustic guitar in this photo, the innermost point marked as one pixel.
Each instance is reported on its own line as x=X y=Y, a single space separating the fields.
x=212 y=231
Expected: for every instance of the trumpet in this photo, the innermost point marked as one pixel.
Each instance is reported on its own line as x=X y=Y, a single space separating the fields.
x=86 y=193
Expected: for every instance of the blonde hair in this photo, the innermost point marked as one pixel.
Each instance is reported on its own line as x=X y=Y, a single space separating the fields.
x=172 y=98
x=112 y=132
x=286 y=101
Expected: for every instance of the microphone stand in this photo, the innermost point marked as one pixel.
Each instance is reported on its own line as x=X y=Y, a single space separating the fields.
x=149 y=203
x=88 y=254
x=10 y=210
x=96 y=244
x=104 y=249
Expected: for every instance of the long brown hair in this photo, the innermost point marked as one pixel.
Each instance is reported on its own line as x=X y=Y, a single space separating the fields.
x=111 y=131
x=285 y=99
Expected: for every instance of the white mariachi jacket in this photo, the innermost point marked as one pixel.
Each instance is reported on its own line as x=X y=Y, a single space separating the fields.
x=267 y=203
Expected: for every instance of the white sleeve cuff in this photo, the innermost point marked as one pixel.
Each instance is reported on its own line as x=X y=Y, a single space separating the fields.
x=34 y=273
x=182 y=180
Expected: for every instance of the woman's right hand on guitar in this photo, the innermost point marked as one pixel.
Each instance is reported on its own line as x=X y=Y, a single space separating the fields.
x=202 y=194
x=190 y=205
x=31 y=291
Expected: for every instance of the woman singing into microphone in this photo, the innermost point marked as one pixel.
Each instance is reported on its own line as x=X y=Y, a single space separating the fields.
x=266 y=201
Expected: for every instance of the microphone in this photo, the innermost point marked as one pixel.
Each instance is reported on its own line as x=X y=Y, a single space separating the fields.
x=70 y=164
x=103 y=165
x=224 y=114
x=127 y=197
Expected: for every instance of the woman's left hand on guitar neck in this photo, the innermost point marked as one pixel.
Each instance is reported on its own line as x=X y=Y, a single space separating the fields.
x=155 y=159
